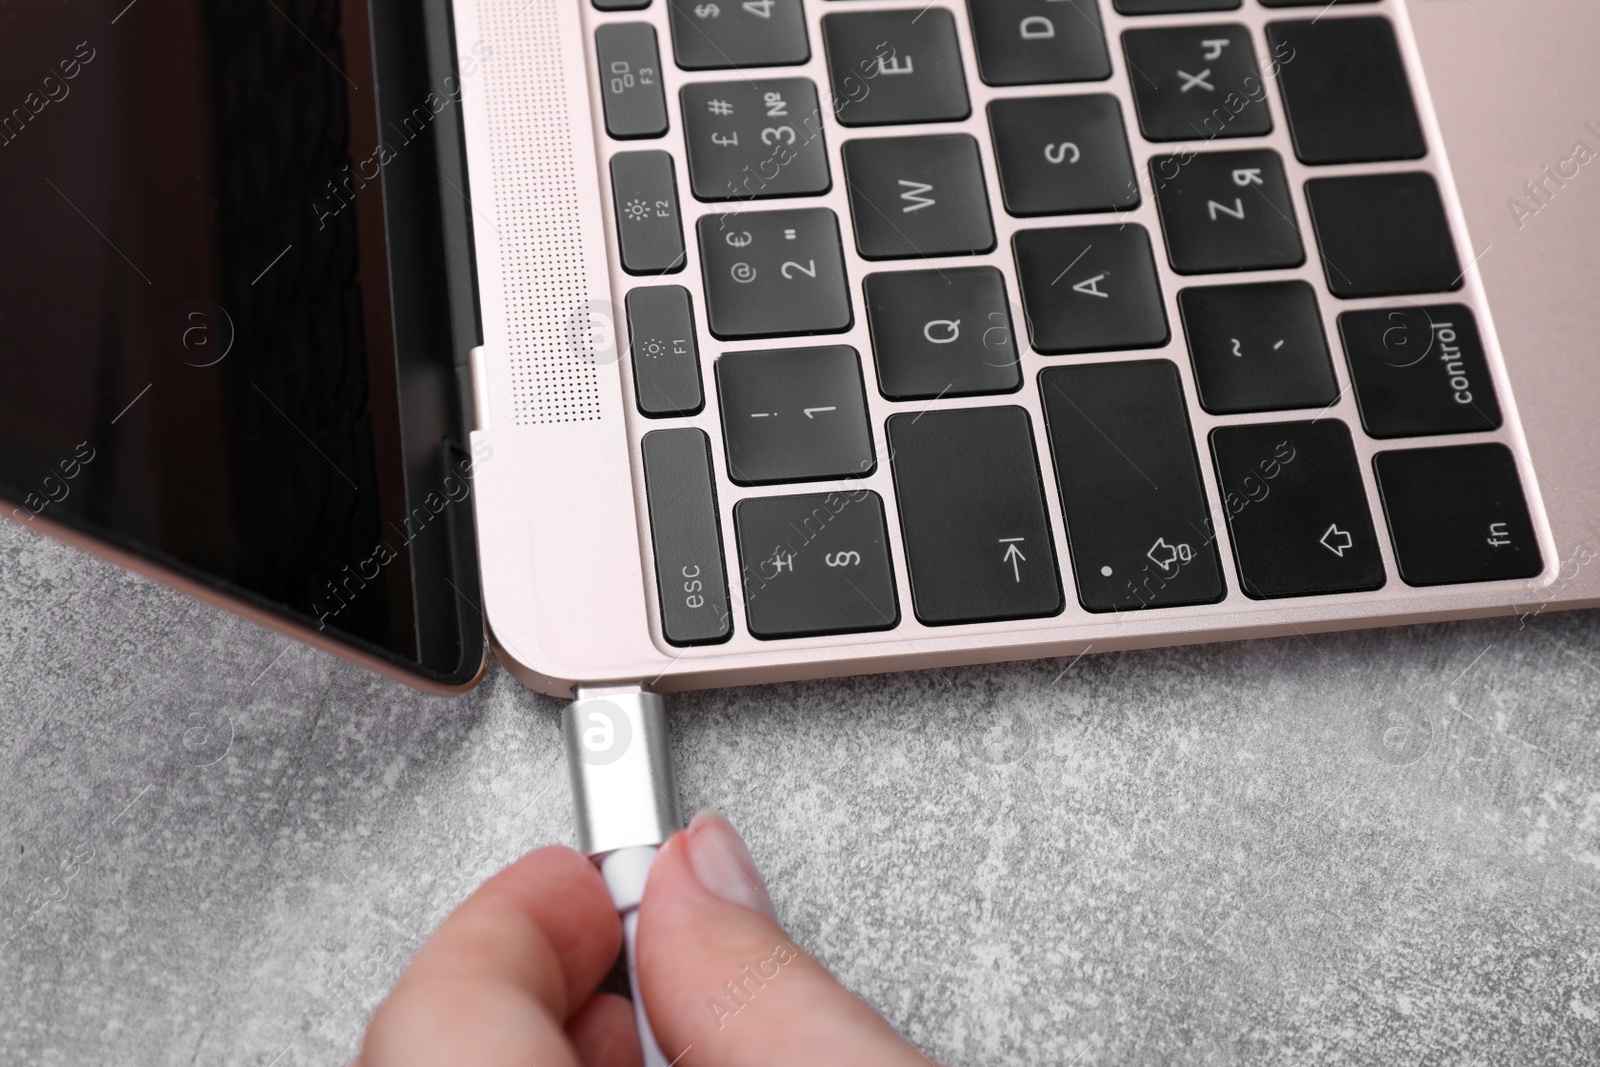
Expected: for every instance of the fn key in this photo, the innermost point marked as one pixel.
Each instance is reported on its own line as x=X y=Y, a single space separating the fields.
x=972 y=512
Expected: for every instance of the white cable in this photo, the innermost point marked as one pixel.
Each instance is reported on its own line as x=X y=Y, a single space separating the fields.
x=625 y=872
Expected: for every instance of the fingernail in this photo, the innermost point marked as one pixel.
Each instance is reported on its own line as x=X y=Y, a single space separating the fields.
x=722 y=863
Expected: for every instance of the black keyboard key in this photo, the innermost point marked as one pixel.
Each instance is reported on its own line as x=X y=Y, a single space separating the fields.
x=1258 y=347
x=1383 y=235
x=895 y=67
x=1137 y=521
x=620 y=5
x=794 y=415
x=1171 y=7
x=1297 y=511
x=1090 y=289
x=816 y=564
x=666 y=359
x=1196 y=83
x=690 y=577
x=754 y=138
x=939 y=333
x=1457 y=514
x=1030 y=42
x=1312 y=3
x=1059 y=155
x=1226 y=211
x=735 y=34
x=1419 y=370
x=774 y=273
x=1345 y=93
x=972 y=515
x=918 y=196
x=645 y=193
x=630 y=80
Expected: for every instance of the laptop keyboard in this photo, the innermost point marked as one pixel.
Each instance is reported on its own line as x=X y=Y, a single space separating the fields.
x=1075 y=292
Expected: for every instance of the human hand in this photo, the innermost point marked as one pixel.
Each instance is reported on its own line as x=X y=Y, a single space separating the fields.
x=509 y=977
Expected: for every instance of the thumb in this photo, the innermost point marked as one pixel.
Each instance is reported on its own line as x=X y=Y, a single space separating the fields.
x=724 y=984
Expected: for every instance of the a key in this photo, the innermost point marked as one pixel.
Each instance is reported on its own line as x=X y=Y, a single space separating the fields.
x=1419 y=370
x=1226 y=211
x=1090 y=289
x=690 y=577
x=815 y=564
x=1137 y=521
x=1257 y=347
x=939 y=333
x=1059 y=155
x=1345 y=93
x=666 y=360
x=630 y=80
x=774 y=273
x=1171 y=7
x=918 y=196
x=895 y=67
x=972 y=516
x=1029 y=42
x=1383 y=235
x=736 y=34
x=1196 y=83
x=1297 y=511
x=754 y=138
x=1457 y=514
x=620 y=5
x=794 y=415
x=645 y=192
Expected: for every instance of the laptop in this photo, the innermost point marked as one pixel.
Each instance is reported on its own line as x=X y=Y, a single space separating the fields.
x=690 y=343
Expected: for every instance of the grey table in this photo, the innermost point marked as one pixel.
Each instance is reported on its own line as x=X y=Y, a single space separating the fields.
x=1376 y=847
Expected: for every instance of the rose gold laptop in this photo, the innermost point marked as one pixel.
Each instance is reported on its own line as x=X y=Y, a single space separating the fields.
x=702 y=342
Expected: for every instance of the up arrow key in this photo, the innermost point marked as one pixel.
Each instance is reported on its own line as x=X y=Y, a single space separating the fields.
x=1336 y=540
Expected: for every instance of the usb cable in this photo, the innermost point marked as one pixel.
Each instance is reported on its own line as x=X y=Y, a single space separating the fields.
x=625 y=805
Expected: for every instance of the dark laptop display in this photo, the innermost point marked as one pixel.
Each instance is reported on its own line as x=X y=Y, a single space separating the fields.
x=229 y=325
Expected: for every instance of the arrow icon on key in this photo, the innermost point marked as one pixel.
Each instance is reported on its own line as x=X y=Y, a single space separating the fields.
x=1336 y=540
x=1013 y=556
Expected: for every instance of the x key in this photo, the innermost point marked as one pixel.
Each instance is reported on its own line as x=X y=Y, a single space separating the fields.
x=1227 y=98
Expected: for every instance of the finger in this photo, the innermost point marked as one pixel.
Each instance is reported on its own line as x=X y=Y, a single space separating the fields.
x=498 y=979
x=603 y=1033
x=724 y=984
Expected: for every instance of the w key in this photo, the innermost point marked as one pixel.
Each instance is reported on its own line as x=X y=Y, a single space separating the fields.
x=1137 y=519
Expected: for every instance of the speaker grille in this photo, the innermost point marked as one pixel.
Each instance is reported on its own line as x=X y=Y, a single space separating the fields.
x=551 y=344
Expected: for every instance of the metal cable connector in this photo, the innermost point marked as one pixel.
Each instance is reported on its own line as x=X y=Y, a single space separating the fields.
x=625 y=806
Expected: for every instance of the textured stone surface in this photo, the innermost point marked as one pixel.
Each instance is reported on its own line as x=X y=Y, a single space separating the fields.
x=1378 y=847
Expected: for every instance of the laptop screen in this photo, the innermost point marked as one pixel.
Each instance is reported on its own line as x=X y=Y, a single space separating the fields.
x=214 y=231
